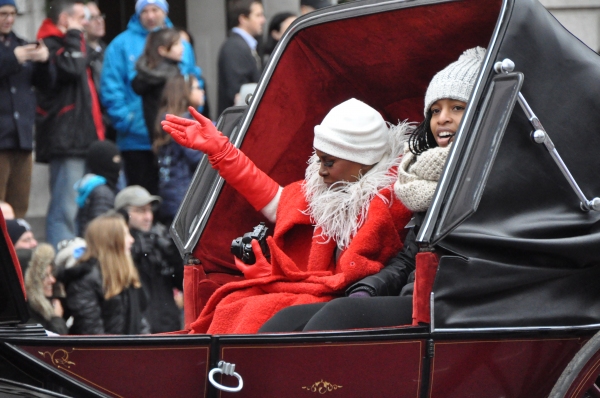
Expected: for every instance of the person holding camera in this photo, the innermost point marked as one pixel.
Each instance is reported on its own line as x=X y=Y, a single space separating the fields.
x=23 y=66
x=335 y=227
x=68 y=114
x=155 y=256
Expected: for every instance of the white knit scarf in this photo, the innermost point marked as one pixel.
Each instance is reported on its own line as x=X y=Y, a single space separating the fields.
x=418 y=177
x=341 y=209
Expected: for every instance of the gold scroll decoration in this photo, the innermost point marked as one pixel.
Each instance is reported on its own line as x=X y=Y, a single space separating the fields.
x=322 y=387
x=59 y=358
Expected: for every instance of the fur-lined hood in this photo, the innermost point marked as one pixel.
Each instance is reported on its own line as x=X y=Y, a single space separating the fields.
x=42 y=256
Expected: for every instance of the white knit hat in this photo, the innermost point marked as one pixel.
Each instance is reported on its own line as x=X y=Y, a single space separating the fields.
x=353 y=131
x=456 y=80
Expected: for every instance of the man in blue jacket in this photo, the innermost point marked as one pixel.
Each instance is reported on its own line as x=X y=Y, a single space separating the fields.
x=123 y=105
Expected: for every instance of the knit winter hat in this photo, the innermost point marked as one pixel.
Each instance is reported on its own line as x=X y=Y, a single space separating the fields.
x=103 y=158
x=8 y=3
x=141 y=4
x=353 y=131
x=456 y=80
x=69 y=252
x=16 y=228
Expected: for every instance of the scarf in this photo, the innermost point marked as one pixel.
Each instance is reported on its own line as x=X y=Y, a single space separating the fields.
x=418 y=177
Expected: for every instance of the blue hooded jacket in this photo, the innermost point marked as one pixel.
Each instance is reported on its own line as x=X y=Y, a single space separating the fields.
x=123 y=105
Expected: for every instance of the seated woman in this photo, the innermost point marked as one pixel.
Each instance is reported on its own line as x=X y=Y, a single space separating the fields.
x=334 y=228
x=422 y=164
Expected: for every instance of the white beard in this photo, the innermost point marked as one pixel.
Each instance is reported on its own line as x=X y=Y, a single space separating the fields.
x=341 y=209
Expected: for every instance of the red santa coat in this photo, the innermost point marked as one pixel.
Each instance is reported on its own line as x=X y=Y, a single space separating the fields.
x=303 y=266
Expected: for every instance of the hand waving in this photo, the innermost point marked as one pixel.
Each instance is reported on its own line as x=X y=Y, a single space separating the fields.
x=199 y=134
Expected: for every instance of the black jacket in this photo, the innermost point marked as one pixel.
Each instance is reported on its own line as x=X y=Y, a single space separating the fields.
x=68 y=118
x=397 y=272
x=55 y=324
x=161 y=269
x=149 y=84
x=237 y=66
x=92 y=313
x=17 y=94
x=99 y=201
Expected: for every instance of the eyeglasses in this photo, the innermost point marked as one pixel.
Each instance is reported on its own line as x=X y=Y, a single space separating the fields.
x=4 y=15
x=98 y=18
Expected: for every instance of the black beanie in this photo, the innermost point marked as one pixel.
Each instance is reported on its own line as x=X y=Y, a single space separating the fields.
x=103 y=158
x=16 y=228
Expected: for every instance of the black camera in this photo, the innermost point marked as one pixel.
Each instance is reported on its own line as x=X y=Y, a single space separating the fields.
x=242 y=247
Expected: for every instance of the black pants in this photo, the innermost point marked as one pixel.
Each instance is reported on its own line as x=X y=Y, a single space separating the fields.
x=343 y=313
x=141 y=168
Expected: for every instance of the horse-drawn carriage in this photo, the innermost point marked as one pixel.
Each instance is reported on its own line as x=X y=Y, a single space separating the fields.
x=506 y=313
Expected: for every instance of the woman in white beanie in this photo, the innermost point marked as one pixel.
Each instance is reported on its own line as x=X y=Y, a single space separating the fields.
x=421 y=167
x=347 y=179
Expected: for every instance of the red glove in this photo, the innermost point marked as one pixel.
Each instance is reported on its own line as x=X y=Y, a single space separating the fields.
x=235 y=167
x=260 y=269
x=199 y=134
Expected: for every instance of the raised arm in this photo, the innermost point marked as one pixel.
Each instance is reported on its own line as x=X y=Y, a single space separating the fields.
x=69 y=56
x=241 y=173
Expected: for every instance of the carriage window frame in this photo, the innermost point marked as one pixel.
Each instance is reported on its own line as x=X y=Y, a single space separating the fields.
x=474 y=157
x=13 y=307
x=195 y=209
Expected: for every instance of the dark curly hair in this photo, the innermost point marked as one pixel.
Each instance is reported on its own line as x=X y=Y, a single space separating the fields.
x=421 y=139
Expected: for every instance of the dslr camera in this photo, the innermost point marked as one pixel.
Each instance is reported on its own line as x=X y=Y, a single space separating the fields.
x=242 y=247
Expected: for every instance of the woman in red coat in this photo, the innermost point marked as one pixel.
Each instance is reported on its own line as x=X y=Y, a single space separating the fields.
x=337 y=226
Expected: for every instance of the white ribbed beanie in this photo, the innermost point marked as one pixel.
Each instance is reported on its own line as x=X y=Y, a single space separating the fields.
x=456 y=80
x=353 y=131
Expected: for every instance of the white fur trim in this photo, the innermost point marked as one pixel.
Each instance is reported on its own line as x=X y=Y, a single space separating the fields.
x=340 y=210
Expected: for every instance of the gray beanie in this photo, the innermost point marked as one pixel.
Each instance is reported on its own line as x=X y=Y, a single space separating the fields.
x=456 y=80
x=353 y=131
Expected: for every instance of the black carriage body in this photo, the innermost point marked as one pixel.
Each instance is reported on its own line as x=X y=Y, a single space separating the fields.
x=513 y=299
x=529 y=256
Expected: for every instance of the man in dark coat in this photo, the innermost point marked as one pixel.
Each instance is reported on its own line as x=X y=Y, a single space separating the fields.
x=239 y=63
x=155 y=256
x=69 y=118
x=22 y=66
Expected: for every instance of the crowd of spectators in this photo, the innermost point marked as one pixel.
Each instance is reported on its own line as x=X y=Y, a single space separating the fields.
x=92 y=112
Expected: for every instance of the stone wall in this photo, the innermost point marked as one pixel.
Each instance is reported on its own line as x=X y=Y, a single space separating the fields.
x=580 y=17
